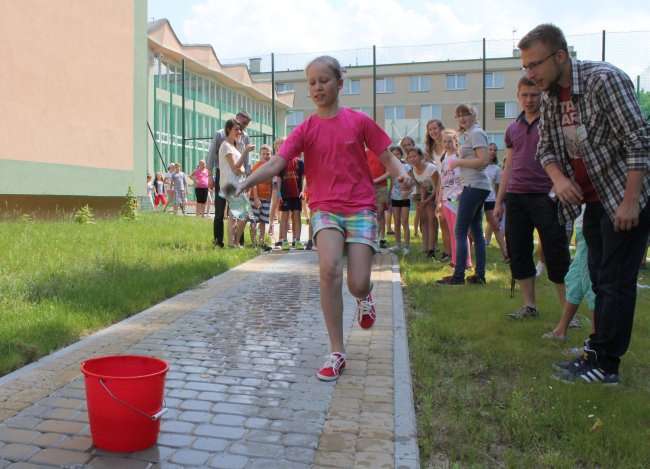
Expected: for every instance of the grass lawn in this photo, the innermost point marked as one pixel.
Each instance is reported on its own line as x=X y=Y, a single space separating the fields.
x=60 y=281
x=483 y=387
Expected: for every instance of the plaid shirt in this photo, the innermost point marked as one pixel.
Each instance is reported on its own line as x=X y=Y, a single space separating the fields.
x=618 y=138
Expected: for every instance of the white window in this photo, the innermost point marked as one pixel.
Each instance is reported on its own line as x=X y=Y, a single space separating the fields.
x=366 y=110
x=419 y=83
x=430 y=111
x=295 y=118
x=395 y=112
x=498 y=139
x=385 y=85
x=505 y=110
x=456 y=81
x=280 y=87
x=351 y=86
x=494 y=79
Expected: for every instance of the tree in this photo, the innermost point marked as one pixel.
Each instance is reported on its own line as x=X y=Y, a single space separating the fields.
x=644 y=102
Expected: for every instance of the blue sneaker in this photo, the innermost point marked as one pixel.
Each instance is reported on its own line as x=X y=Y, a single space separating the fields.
x=584 y=370
x=589 y=374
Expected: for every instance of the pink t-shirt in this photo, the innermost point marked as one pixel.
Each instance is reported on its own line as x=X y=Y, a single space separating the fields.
x=201 y=178
x=336 y=168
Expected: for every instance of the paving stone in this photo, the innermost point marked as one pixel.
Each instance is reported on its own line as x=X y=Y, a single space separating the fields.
x=259 y=450
x=228 y=461
x=14 y=435
x=257 y=422
x=61 y=426
x=175 y=440
x=18 y=452
x=302 y=455
x=195 y=416
x=79 y=443
x=374 y=460
x=276 y=464
x=50 y=440
x=190 y=457
x=107 y=462
x=21 y=465
x=219 y=431
x=302 y=440
x=238 y=409
x=212 y=445
x=60 y=457
x=154 y=453
x=333 y=459
x=228 y=419
x=175 y=426
x=24 y=423
x=368 y=445
x=263 y=436
x=60 y=414
x=212 y=396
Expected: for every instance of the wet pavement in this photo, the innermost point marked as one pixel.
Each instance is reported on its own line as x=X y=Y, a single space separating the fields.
x=243 y=350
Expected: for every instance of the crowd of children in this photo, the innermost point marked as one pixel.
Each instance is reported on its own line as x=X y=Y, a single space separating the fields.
x=361 y=185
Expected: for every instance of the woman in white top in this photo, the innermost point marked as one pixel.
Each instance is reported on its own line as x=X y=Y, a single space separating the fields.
x=426 y=174
x=231 y=163
x=476 y=187
x=434 y=150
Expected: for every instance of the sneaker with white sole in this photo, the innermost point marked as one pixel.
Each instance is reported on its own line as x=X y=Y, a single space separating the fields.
x=587 y=372
x=366 y=312
x=331 y=370
x=525 y=312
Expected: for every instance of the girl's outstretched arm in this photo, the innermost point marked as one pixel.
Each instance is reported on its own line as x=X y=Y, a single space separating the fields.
x=264 y=172
x=396 y=169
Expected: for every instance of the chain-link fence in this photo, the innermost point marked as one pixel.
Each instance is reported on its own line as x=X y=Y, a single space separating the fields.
x=188 y=111
x=629 y=50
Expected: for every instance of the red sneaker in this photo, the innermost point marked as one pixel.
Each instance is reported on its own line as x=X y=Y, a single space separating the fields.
x=366 y=312
x=332 y=367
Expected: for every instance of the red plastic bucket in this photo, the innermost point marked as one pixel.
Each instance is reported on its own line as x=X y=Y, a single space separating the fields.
x=125 y=400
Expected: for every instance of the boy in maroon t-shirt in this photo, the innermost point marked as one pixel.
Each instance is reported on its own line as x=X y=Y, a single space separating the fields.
x=290 y=202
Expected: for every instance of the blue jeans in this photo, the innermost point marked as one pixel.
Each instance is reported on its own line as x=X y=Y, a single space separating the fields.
x=470 y=217
x=614 y=258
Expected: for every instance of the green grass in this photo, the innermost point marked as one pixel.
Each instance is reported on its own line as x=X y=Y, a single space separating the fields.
x=482 y=382
x=60 y=281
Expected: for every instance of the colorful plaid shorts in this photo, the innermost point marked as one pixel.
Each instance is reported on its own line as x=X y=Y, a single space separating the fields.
x=359 y=227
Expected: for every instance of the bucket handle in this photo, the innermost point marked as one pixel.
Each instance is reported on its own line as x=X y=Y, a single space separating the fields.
x=153 y=417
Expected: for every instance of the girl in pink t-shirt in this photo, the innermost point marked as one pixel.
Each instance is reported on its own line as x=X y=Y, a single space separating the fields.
x=201 y=176
x=341 y=196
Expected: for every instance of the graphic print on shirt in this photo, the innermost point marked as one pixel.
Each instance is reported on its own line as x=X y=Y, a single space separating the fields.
x=570 y=123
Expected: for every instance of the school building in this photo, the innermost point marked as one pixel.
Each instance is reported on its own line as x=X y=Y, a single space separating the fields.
x=93 y=99
x=410 y=94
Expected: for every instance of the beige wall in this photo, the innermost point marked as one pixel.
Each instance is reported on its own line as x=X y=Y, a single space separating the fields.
x=437 y=72
x=66 y=90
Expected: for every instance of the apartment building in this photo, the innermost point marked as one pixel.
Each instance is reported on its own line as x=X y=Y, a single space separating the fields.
x=409 y=94
x=209 y=95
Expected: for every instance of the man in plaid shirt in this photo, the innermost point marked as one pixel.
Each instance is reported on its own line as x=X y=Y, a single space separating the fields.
x=595 y=146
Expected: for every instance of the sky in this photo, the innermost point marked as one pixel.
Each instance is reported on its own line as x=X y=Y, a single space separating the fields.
x=250 y=28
